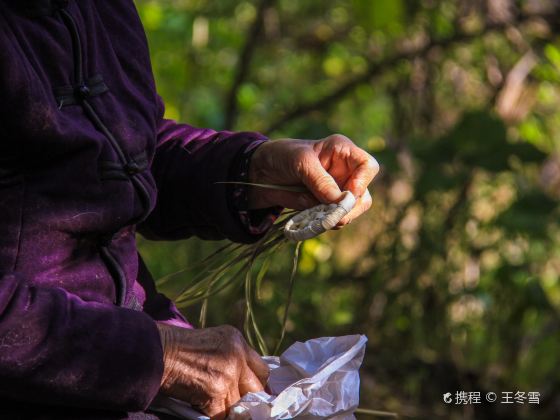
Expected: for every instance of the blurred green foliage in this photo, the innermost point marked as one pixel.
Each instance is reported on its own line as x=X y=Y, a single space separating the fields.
x=453 y=274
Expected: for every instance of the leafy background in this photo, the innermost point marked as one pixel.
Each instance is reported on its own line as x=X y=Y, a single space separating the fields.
x=453 y=274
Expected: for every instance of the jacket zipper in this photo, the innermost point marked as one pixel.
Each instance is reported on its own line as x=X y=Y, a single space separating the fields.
x=129 y=166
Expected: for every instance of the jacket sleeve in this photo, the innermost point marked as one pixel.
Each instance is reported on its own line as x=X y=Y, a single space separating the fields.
x=157 y=305
x=188 y=166
x=58 y=349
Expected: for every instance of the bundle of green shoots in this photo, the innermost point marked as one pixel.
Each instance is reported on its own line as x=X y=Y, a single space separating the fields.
x=235 y=263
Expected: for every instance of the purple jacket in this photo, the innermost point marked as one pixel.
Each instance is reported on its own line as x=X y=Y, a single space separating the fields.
x=86 y=160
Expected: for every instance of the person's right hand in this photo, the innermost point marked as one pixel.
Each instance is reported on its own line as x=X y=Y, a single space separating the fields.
x=210 y=368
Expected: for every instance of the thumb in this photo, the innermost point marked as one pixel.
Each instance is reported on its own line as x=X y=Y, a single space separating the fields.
x=320 y=182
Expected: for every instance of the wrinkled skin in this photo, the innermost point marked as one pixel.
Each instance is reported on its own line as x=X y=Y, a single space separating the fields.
x=210 y=368
x=326 y=167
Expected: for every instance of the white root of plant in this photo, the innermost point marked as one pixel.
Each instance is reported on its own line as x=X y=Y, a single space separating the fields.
x=312 y=222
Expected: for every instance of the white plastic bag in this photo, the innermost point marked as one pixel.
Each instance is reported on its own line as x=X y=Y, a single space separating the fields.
x=317 y=379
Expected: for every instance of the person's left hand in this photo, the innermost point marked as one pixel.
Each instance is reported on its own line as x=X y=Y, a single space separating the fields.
x=325 y=167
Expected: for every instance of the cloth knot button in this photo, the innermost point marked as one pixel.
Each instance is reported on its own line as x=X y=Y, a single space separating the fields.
x=132 y=168
x=83 y=92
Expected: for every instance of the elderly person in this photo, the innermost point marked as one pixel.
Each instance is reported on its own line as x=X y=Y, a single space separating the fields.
x=86 y=161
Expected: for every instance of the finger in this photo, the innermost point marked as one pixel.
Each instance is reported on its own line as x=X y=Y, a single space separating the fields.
x=363 y=204
x=216 y=410
x=365 y=170
x=232 y=398
x=334 y=157
x=319 y=181
x=257 y=366
x=249 y=382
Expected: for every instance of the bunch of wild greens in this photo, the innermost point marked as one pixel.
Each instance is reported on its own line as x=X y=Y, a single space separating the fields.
x=234 y=263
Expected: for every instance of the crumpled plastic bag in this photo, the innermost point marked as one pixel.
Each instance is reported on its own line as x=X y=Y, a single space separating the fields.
x=313 y=380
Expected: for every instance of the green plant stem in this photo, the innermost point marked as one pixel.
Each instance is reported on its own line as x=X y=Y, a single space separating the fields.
x=230 y=263
x=291 y=188
x=289 y=300
x=376 y=413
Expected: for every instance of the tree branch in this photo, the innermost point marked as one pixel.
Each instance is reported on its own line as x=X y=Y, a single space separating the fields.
x=243 y=65
x=378 y=67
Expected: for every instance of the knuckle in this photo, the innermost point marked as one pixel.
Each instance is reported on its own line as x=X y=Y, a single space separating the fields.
x=339 y=138
x=233 y=341
x=222 y=381
x=229 y=331
x=343 y=150
x=219 y=388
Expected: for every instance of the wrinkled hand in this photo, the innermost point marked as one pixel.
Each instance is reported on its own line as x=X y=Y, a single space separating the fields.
x=210 y=368
x=326 y=167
